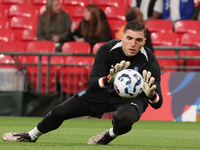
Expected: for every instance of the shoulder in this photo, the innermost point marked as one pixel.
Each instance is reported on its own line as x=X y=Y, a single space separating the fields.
x=148 y=54
x=113 y=44
x=65 y=14
x=109 y=46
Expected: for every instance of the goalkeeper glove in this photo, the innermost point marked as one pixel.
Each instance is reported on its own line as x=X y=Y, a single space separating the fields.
x=148 y=86
x=118 y=67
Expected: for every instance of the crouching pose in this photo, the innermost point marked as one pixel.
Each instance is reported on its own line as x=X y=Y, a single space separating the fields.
x=100 y=97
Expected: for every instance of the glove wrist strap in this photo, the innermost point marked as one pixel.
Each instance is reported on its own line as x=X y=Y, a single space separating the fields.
x=154 y=98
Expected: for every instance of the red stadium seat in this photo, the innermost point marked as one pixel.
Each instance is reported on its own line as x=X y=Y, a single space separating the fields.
x=6 y=35
x=78 y=13
x=3 y=10
x=41 y=46
x=24 y=22
x=39 y=2
x=32 y=70
x=115 y=25
x=18 y=24
x=128 y=3
x=115 y=12
x=97 y=46
x=76 y=2
x=187 y=26
x=76 y=47
x=23 y=10
x=189 y=39
x=28 y=36
x=159 y=25
x=71 y=9
x=12 y=46
x=8 y=60
x=16 y=2
x=4 y=23
x=107 y=3
x=76 y=73
x=165 y=39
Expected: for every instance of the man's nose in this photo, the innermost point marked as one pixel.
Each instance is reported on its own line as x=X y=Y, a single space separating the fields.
x=133 y=43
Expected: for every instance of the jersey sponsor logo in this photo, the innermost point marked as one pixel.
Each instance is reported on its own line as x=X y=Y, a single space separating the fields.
x=82 y=93
x=136 y=68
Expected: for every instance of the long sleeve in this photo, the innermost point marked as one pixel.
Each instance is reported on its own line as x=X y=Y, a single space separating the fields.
x=40 y=32
x=66 y=21
x=100 y=69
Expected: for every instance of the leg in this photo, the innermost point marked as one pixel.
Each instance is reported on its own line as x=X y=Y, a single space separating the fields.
x=71 y=108
x=125 y=116
x=51 y=121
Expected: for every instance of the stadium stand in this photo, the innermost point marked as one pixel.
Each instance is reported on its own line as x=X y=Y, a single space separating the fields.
x=115 y=13
x=77 y=14
x=19 y=23
x=159 y=25
x=6 y=35
x=10 y=46
x=76 y=47
x=10 y=2
x=24 y=10
x=113 y=3
x=115 y=25
x=76 y=2
x=187 y=26
x=76 y=73
x=96 y=47
x=32 y=70
x=4 y=23
x=165 y=39
x=189 y=39
x=3 y=10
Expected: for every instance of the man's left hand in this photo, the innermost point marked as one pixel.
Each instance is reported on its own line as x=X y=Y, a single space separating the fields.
x=148 y=86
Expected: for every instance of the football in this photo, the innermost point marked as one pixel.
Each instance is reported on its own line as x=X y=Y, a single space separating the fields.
x=128 y=83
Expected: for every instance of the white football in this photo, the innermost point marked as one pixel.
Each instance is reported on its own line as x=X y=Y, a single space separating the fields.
x=128 y=83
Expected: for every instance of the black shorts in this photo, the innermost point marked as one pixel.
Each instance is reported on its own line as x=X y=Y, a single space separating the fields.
x=101 y=102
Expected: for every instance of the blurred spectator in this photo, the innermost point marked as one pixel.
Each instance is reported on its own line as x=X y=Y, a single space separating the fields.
x=151 y=9
x=178 y=10
x=196 y=15
x=93 y=28
x=134 y=13
x=54 y=25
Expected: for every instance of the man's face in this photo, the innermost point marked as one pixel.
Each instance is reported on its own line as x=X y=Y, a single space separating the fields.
x=132 y=42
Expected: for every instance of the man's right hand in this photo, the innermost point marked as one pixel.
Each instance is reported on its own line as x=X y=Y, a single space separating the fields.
x=118 y=67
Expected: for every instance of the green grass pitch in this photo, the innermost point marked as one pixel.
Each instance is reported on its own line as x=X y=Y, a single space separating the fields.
x=73 y=135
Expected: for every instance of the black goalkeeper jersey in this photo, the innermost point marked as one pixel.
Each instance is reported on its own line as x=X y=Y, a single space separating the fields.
x=111 y=53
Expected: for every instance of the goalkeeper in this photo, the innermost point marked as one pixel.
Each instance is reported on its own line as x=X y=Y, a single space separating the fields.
x=100 y=97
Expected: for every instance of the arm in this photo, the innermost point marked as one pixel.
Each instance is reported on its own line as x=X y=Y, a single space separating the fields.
x=102 y=75
x=152 y=87
x=100 y=68
x=67 y=25
x=155 y=15
x=157 y=10
x=40 y=32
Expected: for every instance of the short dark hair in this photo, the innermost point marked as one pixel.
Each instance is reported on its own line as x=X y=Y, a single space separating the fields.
x=135 y=26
